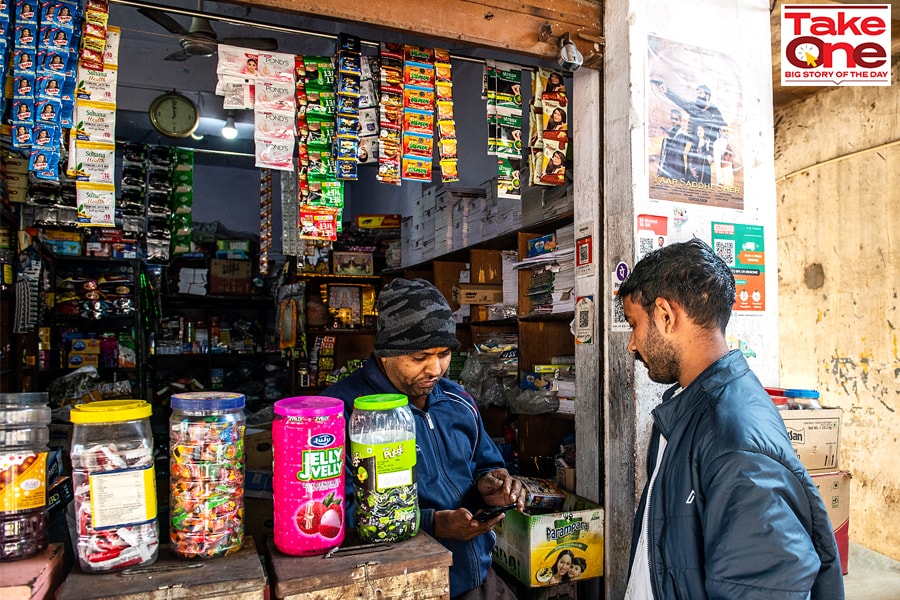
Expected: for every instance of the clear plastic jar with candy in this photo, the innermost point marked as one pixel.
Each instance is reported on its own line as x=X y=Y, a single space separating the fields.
x=206 y=474
x=115 y=485
x=23 y=474
x=383 y=468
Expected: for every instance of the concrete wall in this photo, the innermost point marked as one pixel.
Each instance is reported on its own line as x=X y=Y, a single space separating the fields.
x=837 y=162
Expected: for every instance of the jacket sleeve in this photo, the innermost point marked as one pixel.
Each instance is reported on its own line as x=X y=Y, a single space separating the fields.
x=757 y=529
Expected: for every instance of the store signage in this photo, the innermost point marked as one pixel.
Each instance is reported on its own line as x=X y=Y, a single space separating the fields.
x=836 y=44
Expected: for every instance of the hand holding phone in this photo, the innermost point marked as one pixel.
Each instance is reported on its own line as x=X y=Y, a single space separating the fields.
x=492 y=511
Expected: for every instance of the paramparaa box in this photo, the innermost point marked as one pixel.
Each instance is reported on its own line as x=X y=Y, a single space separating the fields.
x=528 y=546
x=815 y=436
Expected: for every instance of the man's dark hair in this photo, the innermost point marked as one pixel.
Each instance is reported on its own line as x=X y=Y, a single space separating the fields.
x=689 y=273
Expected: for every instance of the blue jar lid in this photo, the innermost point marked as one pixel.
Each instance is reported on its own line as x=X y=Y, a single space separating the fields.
x=207 y=401
x=801 y=393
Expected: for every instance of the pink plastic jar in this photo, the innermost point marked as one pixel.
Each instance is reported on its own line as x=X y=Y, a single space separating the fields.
x=308 y=439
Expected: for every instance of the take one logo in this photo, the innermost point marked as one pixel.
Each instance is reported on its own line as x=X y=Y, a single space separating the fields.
x=837 y=44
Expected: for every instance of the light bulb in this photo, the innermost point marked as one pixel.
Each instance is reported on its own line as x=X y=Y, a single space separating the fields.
x=229 y=131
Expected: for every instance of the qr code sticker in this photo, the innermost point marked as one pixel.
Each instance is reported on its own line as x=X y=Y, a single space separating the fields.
x=725 y=250
x=645 y=246
x=584 y=256
x=618 y=316
x=584 y=318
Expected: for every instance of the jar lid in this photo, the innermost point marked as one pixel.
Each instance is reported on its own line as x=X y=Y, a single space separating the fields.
x=309 y=406
x=207 y=401
x=38 y=415
x=23 y=399
x=801 y=393
x=103 y=411
x=380 y=402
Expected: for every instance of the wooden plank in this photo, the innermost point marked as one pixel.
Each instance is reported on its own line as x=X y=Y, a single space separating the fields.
x=293 y=575
x=420 y=585
x=502 y=24
x=236 y=577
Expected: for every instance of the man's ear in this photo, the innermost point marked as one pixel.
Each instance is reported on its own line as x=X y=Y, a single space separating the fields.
x=666 y=315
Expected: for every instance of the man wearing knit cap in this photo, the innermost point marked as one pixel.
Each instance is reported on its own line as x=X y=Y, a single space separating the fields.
x=459 y=469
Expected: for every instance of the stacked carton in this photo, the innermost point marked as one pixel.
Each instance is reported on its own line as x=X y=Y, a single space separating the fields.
x=815 y=435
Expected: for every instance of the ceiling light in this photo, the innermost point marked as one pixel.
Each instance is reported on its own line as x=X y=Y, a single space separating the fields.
x=197 y=137
x=229 y=131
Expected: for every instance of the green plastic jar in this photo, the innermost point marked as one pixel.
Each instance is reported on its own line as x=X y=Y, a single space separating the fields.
x=383 y=468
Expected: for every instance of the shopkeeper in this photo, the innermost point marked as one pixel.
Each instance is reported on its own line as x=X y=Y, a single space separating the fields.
x=459 y=469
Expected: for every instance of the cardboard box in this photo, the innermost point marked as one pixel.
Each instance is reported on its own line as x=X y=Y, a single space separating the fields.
x=815 y=436
x=542 y=493
x=34 y=578
x=479 y=293
x=528 y=546
x=257 y=449
x=834 y=488
x=230 y=277
x=565 y=477
x=259 y=520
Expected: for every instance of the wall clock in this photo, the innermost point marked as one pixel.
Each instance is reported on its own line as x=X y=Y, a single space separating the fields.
x=174 y=115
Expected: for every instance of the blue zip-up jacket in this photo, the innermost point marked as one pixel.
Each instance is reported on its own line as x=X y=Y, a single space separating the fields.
x=733 y=513
x=452 y=452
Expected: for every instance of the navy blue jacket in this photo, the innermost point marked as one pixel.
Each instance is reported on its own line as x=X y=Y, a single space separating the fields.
x=452 y=452
x=733 y=513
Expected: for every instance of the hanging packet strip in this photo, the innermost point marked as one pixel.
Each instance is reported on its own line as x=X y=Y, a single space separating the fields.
x=274 y=124
x=44 y=162
x=276 y=66
x=318 y=223
x=94 y=122
x=93 y=162
x=99 y=86
x=274 y=154
x=96 y=204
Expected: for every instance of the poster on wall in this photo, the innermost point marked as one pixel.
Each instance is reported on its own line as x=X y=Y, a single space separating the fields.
x=694 y=125
x=743 y=250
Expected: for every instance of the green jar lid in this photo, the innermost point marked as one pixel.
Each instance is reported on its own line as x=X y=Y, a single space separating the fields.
x=380 y=402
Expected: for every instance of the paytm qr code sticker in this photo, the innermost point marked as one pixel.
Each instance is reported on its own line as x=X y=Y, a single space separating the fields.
x=618 y=322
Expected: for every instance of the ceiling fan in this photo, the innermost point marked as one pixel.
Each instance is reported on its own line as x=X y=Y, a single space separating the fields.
x=200 y=39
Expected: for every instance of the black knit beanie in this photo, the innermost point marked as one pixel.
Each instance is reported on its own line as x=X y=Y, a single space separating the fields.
x=412 y=316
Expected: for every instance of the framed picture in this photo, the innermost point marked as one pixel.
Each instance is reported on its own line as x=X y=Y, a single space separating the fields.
x=352 y=263
x=345 y=304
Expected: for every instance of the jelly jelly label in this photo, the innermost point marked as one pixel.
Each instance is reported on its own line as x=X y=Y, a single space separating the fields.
x=23 y=477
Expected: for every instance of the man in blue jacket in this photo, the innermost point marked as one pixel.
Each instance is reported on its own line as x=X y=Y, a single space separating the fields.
x=459 y=469
x=728 y=510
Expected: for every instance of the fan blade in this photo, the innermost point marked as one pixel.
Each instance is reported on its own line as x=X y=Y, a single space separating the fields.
x=163 y=20
x=252 y=42
x=179 y=56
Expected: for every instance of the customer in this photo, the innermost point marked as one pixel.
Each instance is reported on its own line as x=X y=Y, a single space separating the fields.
x=459 y=470
x=728 y=511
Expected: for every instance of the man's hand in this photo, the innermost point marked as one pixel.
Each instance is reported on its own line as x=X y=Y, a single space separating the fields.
x=459 y=525
x=498 y=487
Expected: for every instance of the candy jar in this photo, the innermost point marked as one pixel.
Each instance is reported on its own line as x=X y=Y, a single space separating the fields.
x=308 y=439
x=383 y=467
x=23 y=474
x=115 y=485
x=206 y=473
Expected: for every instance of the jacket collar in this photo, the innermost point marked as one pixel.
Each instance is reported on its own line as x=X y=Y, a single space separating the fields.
x=675 y=408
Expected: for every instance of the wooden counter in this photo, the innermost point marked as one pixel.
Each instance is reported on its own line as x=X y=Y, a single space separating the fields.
x=417 y=568
x=236 y=577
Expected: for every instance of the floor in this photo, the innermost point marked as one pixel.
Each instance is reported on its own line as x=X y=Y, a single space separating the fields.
x=871 y=576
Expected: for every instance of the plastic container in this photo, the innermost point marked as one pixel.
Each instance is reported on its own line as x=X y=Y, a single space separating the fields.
x=206 y=474
x=803 y=399
x=383 y=467
x=115 y=486
x=308 y=446
x=23 y=474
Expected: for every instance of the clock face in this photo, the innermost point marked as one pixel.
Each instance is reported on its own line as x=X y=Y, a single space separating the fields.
x=174 y=115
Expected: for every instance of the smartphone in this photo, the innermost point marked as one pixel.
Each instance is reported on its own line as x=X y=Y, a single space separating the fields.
x=492 y=511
